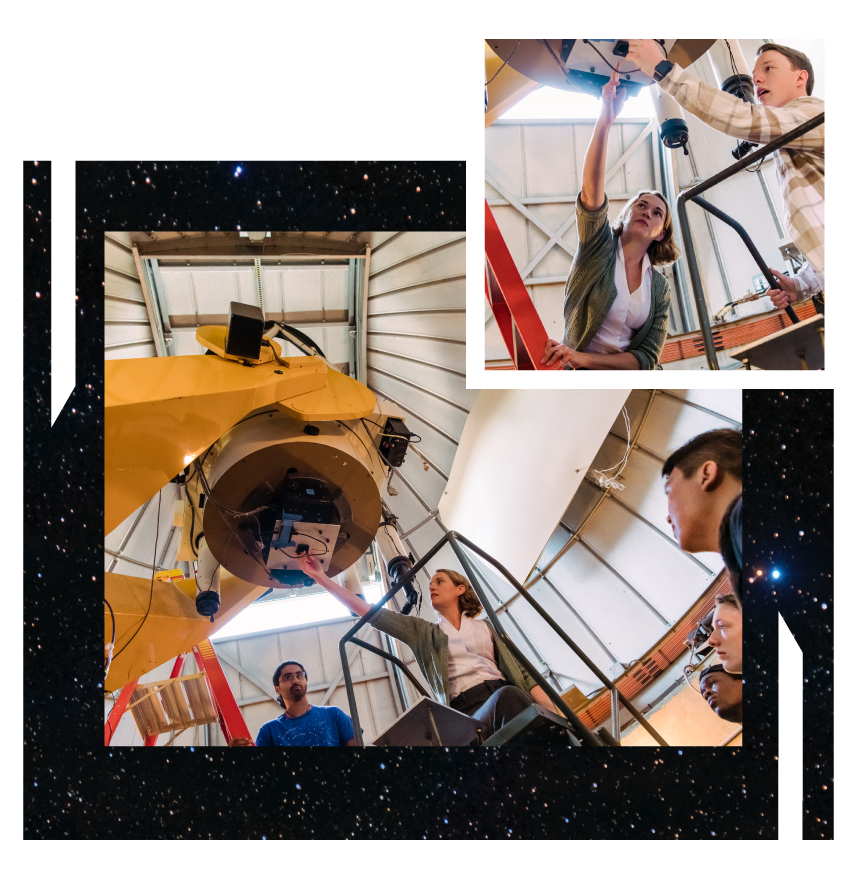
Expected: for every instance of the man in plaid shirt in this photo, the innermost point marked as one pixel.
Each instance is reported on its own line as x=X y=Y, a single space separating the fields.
x=784 y=80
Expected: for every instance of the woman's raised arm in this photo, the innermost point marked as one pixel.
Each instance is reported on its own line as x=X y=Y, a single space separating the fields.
x=314 y=569
x=593 y=184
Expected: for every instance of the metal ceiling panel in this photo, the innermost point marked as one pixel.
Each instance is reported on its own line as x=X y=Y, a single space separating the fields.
x=728 y=403
x=671 y=423
x=552 y=650
x=668 y=578
x=619 y=618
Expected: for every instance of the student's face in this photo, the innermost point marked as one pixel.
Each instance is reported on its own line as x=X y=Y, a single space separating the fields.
x=775 y=83
x=685 y=503
x=723 y=694
x=292 y=684
x=646 y=218
x=443 y=591
x=726 y=637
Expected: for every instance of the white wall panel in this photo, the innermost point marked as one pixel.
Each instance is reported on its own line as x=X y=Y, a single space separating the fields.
x=671 y=424
x=408 y=246
x=431 y=349
x=651 y=563
x=435 y=265
x=438 y=294
x=555 y=652
x=728 y=403
x=604 y=603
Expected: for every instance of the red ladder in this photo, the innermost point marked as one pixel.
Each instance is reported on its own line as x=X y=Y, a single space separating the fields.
x=516 y=316
x=229 y=716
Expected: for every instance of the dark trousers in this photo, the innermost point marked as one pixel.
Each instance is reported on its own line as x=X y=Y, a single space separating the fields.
x=493 y=703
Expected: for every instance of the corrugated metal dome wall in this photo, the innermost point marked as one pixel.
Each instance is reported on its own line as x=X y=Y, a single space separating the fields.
x=416 y=358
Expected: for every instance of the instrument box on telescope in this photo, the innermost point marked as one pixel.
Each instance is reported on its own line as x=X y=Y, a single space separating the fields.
x=393 y=445
x=244 y=331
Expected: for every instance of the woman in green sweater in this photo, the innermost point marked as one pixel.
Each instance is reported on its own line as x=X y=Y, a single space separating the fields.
x=617 y=303
x=464 y=661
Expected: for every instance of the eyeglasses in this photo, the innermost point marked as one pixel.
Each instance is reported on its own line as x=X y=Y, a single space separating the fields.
x=289 y=678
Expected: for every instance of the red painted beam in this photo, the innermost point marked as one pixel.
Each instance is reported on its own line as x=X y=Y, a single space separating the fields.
x=513 y=309
x=118 y=709
x=230 y=718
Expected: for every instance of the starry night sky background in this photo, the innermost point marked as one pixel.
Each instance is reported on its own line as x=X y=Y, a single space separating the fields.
x=76 y=788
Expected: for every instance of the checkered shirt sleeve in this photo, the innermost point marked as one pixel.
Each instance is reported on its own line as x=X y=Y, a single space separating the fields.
x=800 y=166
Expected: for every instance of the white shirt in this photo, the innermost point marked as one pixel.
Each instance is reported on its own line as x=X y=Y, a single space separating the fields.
x=628 y=312
x=471 y=654
x=807 y=282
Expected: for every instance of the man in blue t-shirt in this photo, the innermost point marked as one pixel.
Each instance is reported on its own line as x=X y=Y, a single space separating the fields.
x=303 y=724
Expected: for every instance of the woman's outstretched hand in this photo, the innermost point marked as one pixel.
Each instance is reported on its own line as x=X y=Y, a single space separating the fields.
x=311 y=567
x=557 y=355
x=613 y=97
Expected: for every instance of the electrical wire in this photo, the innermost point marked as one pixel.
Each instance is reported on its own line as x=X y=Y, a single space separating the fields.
x=280 y=361
x=221 y=507
x=604 y=482
x=109 y=648
x=392 y=434
x=736 y=72
x=356 y=435
x=622 y=71
x=380 y=456
x=192 y=529
x=505 y=62
x=152 y=581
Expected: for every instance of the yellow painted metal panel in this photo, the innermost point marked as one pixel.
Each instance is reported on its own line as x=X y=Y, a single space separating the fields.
x=342 y=398
x=172 y=626
x=160 y=413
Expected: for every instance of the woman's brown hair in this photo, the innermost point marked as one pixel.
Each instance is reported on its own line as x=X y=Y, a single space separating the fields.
x=659 y=252
x=468 y=601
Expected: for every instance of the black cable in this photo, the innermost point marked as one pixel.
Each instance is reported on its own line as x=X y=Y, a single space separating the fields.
x=221 y=507
x=192 y=529
x=392 y=434
x=113 y=623
x=380 y=456
x=301 y=336
x=504 y=64
x=280 y=361
x=738 y=75
x=152 y=581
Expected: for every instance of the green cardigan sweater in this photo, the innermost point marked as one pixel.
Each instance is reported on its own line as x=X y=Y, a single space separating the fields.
x=591 y=290
x=430 y=645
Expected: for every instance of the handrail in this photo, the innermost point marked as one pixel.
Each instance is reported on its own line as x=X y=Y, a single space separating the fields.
x=458 y=542
x=693 y=193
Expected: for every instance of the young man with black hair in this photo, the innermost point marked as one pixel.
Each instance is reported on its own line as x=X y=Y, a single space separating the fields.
x=303 y=724
x=723 y=692
x=703 y=482
x=784 y=80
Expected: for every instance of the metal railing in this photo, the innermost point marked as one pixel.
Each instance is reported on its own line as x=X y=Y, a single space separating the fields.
x=458 y=542
x=693 y=194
